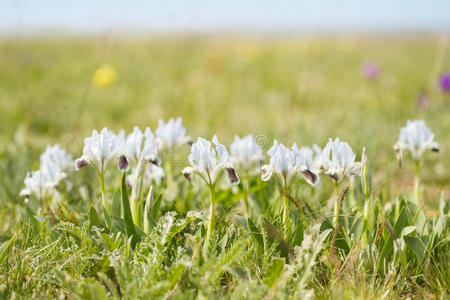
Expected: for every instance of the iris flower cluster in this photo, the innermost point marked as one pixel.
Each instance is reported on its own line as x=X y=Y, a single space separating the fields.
x=44 y=183
x=138 y=154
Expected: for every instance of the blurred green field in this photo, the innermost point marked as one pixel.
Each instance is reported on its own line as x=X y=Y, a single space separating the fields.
x=295 y=89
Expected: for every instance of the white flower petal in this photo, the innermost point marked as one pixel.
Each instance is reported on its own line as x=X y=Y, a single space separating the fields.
x=266 y=172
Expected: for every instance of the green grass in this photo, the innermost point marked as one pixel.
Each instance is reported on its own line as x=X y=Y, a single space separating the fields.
x=296 y=90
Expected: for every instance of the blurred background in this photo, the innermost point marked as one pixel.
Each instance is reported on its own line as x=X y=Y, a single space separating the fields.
x=284 y=16
x=300 y=71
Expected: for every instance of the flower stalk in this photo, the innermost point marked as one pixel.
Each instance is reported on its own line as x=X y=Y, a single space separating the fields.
x=368 y=213
x=287 y=164
x=212 y=220
x=99 y=149
x=352 y=180
x=416 y=138
x=286 y=218
x=101 y=178
x=338 y=161
x=336 y=204
x=136 y=194
x=245 y=199
x=208 y=161
x=416 y=181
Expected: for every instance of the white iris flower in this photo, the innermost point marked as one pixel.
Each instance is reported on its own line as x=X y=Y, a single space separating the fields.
x=311 y=157
x=57 y=156
x=208 y=160
x=287 y=164
x=99 y=149
x=141 y=146
x=43 y=182
x=36 y=183
x=338 y=160
x=246 y=153
x=172 y=133
x=417 y=138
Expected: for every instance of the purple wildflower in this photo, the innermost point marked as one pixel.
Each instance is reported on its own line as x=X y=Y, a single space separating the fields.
x=444 y=82
x=370 y=70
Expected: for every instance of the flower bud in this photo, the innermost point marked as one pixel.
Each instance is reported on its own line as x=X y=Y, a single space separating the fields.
x=232 y=176
x=154 y=161
x=187 y=173
x=366 y=176
x=147 y=210
x=435 y=147
x=80 y=163
x=187 y=176
x=310 y=177
x=25 y=193
x=123 y=163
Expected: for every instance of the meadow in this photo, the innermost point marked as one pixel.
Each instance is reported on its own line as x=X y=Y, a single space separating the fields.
x=303 y=90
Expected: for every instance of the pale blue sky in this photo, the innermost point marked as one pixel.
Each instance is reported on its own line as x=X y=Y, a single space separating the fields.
x=30 y=16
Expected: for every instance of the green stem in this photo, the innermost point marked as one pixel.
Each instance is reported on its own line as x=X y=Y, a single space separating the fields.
x=212 y=220
x=352 y=191
x=101 y=178
x=41 y=202
x=171 y=158
x=336 y=204
x=368 y=205
x=246 y=195
x=286 y=219
x=368 y=219
x=135 y=208
x=136 y=193
x=416 y=182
